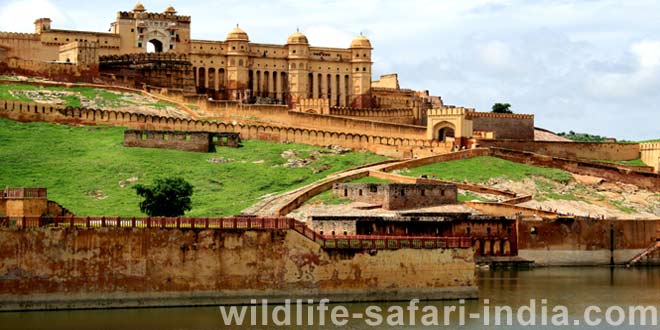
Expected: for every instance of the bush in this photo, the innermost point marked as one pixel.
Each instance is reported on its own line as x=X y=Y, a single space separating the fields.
x=166 y=197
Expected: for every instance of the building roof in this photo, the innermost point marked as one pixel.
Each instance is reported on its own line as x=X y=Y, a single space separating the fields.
x=297 y=39
x=361 y=42
x=139 y=7
x=237 y=35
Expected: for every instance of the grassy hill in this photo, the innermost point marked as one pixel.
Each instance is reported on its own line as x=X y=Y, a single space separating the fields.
x=481 y=169
x=84 y=168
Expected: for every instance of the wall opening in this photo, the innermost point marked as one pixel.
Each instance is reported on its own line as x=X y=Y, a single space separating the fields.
x=154 y=46
x=444 y=133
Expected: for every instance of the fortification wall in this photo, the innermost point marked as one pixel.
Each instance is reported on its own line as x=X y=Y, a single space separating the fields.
x=187 y=141
x=376 y=143
x=28 y=45
x=642 y=179
x=572 y=150
x=54 y=71
x=650 y=154
x=110 y=267
x=505 y=126
x=584 y=241
x=279 y=114
x=400 y=116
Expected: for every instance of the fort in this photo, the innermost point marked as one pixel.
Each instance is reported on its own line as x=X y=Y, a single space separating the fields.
x=236 y=89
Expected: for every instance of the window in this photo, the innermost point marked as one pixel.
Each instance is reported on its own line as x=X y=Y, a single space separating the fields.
x=166 y=137
x=345 y=192
x=233 y=48
x=360 y=192
x=132 y=30
x=215 y=139
x=139 y=45
x=442 y=192
x=423 y=193
x=171 y=46
x=293 y=51
x=373 y=188
x=488 y=230
x=188 y=137
x=357 y=69
x=468 y=230
x=403 y=192
x=364 y=69
x=345 y=233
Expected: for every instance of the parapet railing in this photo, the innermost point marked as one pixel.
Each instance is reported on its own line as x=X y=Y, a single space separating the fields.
x=244 y=223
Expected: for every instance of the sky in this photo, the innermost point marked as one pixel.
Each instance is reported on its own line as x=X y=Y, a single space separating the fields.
x=588 y=66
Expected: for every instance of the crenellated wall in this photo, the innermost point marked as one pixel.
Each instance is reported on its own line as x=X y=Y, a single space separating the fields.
x=650 y=154
x=376 y=143
x=571 y=150
x=504 y=126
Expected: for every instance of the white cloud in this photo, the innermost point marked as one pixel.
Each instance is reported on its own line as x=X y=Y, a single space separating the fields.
x=639 y=83
x=19 y=15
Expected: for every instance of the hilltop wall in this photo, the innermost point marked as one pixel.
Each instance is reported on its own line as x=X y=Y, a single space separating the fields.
x=376 y=143
x=650 y=154
x=56 y=268
x=572 y=150
x=505 y=126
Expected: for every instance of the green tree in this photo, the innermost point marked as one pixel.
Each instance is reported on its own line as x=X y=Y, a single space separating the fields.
x=169 y=197
x=502 y=108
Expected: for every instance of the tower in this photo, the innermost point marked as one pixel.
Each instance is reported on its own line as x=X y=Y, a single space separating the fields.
x=361 y=72
x=298 y=60
x=237 y=42
x=42 y=25
x=166 y=32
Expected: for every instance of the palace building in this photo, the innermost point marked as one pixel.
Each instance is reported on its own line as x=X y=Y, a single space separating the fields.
x=232 y=69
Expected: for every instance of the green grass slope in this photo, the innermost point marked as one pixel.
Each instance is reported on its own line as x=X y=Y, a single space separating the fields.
x=83 y=166
x=481 y=169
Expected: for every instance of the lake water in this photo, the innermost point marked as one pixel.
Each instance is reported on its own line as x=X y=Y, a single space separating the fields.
x=574 y=288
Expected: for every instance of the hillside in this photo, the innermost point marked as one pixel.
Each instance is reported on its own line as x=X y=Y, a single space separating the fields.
x=551 y=188
x=87 y=170
x=87 y=97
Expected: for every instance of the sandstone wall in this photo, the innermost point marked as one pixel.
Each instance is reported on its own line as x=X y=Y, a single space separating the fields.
x=642 y=179
x=572 y=150
x=51 y=268
x=360 y=141
x=505 y=126
x=650 y=154
x=584 y=241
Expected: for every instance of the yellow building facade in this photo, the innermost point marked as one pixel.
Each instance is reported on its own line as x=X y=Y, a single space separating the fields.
x=231 y=69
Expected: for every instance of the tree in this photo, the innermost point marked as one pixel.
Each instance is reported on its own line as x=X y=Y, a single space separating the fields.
x=502 y=108
x=168 y=197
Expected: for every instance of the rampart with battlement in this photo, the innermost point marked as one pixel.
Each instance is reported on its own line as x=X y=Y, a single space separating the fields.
x=650 y=154
x=382 y=144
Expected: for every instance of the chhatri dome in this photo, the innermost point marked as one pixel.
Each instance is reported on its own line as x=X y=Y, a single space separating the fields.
x=170 y=10
x=361 y=42
x=139 y=7
x=297 y=39
x=237 y=35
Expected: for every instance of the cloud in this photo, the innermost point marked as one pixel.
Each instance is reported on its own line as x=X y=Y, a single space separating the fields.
x=19 y=15
x=640 y=82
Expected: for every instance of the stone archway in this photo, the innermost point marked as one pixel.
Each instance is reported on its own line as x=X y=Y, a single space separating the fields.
x=443 y=130
x=155 y=46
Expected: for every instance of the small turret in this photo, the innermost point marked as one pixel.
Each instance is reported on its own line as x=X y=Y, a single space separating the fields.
x=42 y=25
